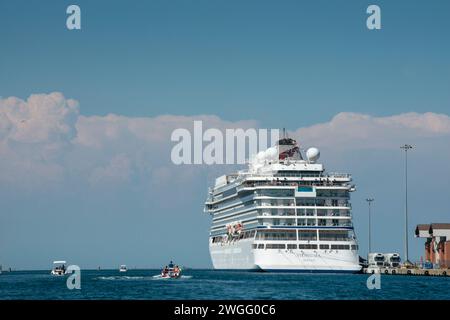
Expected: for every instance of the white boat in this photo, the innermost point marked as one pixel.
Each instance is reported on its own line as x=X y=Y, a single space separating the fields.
x=171 y=271
x=123 y=268
x=59 y=268
x=284 y=213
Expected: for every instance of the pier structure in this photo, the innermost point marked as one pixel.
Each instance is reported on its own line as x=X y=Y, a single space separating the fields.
x=435 y=262
x=409 y=271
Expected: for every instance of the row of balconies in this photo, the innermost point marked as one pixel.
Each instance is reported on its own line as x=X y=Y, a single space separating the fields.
x=282 y=183
x=289 y=212
x=302 y=213
x=317 y=203
x=282 y=203
x=217 y=196
x=306 y=222
x=323 y=203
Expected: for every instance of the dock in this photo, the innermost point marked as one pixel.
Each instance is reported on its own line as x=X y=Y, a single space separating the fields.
x=409 y=272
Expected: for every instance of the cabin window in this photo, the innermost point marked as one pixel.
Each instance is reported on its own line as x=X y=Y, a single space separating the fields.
x=340 y=247
x=307 y=246
x=307 y=235
x=276 y=235
x=229 y=192
x=275 y=246
x=333 y=235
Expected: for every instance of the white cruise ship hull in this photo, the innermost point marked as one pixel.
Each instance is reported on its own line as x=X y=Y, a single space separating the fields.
x=235 y=256
x=240 y=255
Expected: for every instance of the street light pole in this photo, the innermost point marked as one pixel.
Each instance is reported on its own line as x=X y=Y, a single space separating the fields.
x=369 y=201
x=406 y=147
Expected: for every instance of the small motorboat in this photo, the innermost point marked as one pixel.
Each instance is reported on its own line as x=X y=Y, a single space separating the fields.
x=59 y=268
x=123 y=268
x=171 y=271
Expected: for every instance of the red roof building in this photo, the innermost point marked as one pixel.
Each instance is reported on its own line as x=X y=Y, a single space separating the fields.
x=437 y=245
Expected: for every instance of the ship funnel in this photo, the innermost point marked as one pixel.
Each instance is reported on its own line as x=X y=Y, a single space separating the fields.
x=288 y=148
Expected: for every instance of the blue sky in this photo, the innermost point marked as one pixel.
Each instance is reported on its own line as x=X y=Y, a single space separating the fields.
x=290 y=64
x=236 y=59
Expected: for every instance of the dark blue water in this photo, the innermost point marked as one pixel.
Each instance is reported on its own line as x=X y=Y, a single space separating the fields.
x=208 y=284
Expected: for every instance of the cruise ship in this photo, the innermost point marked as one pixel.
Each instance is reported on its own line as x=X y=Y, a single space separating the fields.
x=284 y=213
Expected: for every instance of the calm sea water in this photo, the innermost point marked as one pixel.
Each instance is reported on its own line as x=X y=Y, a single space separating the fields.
x=209 y=284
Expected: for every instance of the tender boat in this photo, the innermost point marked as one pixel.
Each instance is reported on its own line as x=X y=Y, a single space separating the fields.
x=123 y=268
x=171 y=271
x=59 y=268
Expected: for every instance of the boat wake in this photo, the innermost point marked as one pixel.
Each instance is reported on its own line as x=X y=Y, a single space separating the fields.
x=159 y=277
x=128 y=278
x=121 y=278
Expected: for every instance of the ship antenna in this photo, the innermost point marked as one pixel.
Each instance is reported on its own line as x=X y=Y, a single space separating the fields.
x=284 y=133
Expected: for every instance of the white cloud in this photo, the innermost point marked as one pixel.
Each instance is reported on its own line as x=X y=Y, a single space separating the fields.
x=118 y=170
x=43 y=118
x=44 y=138
x=360 y=131
x=34 y=135
x=96 y=131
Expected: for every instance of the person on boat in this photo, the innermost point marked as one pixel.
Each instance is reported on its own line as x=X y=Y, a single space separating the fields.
x=176 y=270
